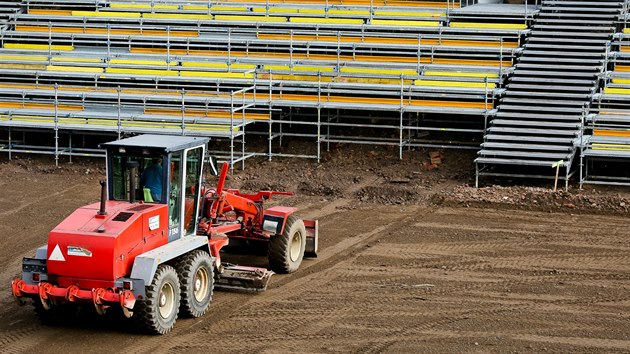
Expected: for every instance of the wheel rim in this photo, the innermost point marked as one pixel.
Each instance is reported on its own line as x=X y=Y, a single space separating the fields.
x=296 y=246
x=200 y=289
x=166 y=300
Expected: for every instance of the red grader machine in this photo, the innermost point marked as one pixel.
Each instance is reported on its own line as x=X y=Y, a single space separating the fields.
x=154 y=251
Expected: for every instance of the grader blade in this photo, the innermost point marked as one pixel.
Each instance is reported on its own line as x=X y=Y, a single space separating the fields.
x=240 y=278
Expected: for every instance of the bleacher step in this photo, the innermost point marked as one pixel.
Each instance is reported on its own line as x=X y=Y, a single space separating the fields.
x=547 y=80
x=561 y=3
x=532 y=132
x=526 y=146
x=560 y=141
x=526 y=154
x=541 y=102
x=571 y=28
x=564 y=110
x=539 y=118
x=536 y=73
x=558 y=67
x=514 y=162
x=548 y=88
x=527 y=59
x=534 y=123
x=529 y=94
x=572 y=54
x=563 y=46
x=579 y=41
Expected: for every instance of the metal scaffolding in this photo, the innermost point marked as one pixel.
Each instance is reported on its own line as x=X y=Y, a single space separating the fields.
x=128 y=67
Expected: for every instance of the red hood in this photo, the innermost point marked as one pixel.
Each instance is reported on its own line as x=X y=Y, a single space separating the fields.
x=90 y=246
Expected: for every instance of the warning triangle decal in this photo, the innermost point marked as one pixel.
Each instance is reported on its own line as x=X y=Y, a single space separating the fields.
x=56 y=255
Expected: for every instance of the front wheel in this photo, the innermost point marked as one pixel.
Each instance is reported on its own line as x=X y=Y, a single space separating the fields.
x=197 y=276
x=287 y=250
x=157 y=313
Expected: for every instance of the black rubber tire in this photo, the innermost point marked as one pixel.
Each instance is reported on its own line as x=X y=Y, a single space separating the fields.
x=280 y=260
x=147 y=311
x=187 y=268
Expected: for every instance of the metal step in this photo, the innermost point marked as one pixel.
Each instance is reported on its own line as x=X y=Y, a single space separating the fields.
x=607 y=17
x=536 y=73
x=538 y=147
x=565 y=40
x=558 y=4
x=589 y=83
x=570 y=38
x=593 y=62
x=555 y=53
x=526 y=154
x=530 y=94
x=558 y=67
x=542 y=102
x=571 y=111
x=561 y=141
x=594 y=48
x=582 y=21
x=535 y=123
x=514 y=162
x=570 y=28
x=548 y=88
x=530 y=131
x=576 y=11
x=537 y=117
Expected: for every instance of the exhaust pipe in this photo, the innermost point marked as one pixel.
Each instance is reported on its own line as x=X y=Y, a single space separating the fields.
x=101 y=210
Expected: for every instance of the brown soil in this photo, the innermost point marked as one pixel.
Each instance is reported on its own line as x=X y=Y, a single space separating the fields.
x=412 y=260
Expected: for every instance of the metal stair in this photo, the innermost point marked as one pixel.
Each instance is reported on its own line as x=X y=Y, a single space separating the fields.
x=539 y=117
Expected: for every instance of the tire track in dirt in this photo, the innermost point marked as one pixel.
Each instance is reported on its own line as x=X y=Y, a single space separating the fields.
x=320 y=209
x=317 y=212
x=361 y=298
x=431 y=330
x=220 y=318
x=555 y=225
x=380 y=345
x=21 y=337
x=451 y=317
x=577 y=343
x=586 y=343
x=605 y=258
x=14 y=342
x=39 y=200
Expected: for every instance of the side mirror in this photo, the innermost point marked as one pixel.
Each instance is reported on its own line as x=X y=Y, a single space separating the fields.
x=212 y=161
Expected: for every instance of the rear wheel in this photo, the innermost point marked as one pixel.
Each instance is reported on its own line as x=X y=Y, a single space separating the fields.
x=197 y=283
x=287 y=250
x=157 y=313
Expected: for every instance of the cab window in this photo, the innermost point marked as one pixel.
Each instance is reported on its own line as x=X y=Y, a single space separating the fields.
x=148 y=176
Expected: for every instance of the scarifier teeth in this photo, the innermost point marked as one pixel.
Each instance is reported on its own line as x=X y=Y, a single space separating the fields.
x=246 y=279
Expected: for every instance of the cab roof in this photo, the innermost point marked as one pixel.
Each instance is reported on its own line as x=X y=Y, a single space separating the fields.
x=166 y=143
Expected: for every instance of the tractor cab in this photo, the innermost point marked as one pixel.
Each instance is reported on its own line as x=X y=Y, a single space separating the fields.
x=157 y=169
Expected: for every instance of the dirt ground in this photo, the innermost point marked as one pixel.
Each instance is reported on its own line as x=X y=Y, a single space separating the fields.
x=412 y=260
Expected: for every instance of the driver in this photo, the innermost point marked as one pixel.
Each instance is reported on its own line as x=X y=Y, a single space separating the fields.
x=152 y=178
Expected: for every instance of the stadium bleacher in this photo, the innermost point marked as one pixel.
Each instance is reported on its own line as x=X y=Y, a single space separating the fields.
x=395 y=57
x=527 y=77
x=607 y=130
